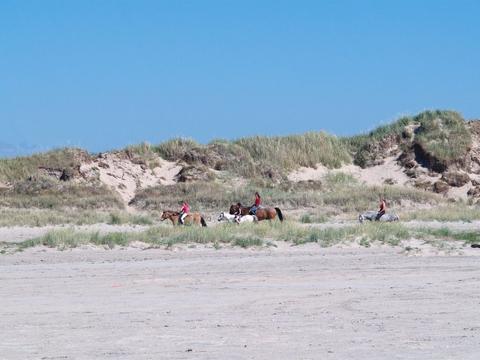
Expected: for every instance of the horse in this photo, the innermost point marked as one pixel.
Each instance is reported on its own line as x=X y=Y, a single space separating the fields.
x=262 y=213
x=372 y=215
x=190 y=219
x=239 y=219
x=224 y=216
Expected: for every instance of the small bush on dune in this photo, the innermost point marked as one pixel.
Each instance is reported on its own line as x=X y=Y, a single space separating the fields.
x=115 y=219
x=19 y=168
x=357 y=142
x=247 y=242
x=443 y=134
x=175 y=149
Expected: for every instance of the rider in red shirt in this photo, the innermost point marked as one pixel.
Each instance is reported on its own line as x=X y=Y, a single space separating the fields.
x=183 y=212
x=258 y=202
x=383 y=209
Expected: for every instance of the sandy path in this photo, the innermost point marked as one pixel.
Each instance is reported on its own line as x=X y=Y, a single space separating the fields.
x=286 y=303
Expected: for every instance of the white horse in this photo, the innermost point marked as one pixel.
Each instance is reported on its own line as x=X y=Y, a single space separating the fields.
x=225 y=216
x=245 y=219
x=239 y=219
x=372 y=215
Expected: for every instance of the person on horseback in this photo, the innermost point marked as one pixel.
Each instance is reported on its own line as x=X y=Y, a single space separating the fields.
x=256 y=205
x=183 y=212
x=382 y=210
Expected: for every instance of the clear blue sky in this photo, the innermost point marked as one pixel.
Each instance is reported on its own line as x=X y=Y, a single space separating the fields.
x=103 y=74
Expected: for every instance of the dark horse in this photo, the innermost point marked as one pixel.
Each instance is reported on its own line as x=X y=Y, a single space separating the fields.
x=263 y=213
x=190 y=219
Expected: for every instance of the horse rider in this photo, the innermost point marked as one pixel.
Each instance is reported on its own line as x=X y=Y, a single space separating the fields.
x=256 y=205
x=382 y=210
x=183 y=212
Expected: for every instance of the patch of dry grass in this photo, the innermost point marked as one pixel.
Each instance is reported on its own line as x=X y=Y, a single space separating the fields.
x=20 y=168
x=455 y=212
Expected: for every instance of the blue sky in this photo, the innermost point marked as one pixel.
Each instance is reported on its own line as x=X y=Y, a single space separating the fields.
x=103 y=74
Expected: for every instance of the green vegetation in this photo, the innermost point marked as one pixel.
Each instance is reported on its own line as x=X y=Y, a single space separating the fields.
x=67 y=239
x=43 y=217
x=457 y=212
x=252 y=157
x=49 y=193
x=358 y=142
x=263 y=162
x=443 y=135
x=469 y=237
x=118 y=218
x=290 y=152
x=338 y=191
x=247 y=235
x=20 y=168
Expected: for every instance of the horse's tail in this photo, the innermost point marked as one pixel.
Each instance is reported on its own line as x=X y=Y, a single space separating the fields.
x=279 y=213
x=202 y=220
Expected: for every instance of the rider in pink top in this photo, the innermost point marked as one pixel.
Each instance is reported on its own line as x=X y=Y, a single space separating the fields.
x=184 y=212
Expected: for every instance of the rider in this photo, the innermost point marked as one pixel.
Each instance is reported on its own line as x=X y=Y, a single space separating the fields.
x=258 y=202
x=183 y=212
x=382 y=210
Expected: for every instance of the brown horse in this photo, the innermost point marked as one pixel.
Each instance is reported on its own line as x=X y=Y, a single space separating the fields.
x=263 y=213
x=190 y=219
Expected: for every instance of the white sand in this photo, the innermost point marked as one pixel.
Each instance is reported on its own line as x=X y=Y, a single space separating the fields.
x=286 y=303
x=374 y=175
x=126 y=177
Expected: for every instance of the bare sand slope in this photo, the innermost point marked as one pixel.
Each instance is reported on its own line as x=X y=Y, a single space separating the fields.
x=374 y=175
x=285 y=303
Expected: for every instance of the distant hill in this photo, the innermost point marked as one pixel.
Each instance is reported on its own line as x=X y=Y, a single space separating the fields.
x=435 y=151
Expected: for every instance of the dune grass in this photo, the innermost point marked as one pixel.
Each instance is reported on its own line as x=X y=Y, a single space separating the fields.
x=290 y=152
x=19 y=168
x=263 y=161
x=251 y=156
x=443 y=134
x=44 y=217
x=339 y=190
x=262 y=234
x=49 y=193
x=453 y=212
x=358 y=145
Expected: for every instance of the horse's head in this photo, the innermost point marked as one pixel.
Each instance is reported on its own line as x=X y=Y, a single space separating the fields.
x=167 y=214
x=221 y=217
x=235 y=209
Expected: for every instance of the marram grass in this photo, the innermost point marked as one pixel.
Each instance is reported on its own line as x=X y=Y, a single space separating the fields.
x=248 y=235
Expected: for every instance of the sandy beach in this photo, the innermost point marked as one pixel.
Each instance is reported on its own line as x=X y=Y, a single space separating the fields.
x=289 y=302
